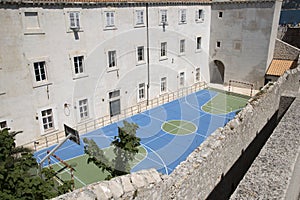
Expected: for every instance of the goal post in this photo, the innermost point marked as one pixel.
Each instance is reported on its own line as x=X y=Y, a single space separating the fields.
x=240 y=84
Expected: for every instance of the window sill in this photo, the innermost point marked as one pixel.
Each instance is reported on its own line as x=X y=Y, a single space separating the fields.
x=161 y=24
x=107 y=28
x=2 y=93
x=72 y=31
x=198 y=50
x=139 y=25
x=112 y=69
x=181 y=54
x=85 y=120
x=79 y=76
x=140 y=63
x=199 y=20
x=37 y=31
x=180 y=23
x=42 y=84
x=50 y=131
x=163 y=58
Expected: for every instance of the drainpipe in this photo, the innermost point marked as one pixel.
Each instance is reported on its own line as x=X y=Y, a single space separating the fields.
x=148 y=49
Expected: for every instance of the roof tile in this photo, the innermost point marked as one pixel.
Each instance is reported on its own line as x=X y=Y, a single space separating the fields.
x=278 y=67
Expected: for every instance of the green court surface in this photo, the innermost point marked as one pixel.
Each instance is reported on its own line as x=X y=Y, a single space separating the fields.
x=89 y=173
x=179 y=127
x=225 y=102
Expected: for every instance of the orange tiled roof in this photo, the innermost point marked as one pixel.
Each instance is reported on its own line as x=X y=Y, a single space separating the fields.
x=278 y=67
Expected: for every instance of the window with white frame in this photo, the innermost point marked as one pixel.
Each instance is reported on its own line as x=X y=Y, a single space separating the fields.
x=163 y=84
x=163 y=17
x=40 y=71
x=74 y=20
x=139 y=17
x=83 y=109
x=220 y=14
x=140 y=54
x=198 y=43
x=182 y=46
x=114 y=103
x=181 y=79
x=112 y=59
x=78 y=64
x=47 y=119
x=218 y=44
x=110 y=18
x=200 y=15
x=141 y=91
x=163 y=49
x=182 y=16
x=197 y=75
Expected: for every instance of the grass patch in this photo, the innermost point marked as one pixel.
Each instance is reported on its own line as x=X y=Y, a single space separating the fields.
x=179 y=127
x=225 y=102
x=89 y=173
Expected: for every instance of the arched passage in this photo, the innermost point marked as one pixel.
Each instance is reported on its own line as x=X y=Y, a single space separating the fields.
x=217 y=70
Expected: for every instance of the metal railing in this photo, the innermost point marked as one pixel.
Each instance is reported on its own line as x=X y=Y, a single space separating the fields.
x=53 y=138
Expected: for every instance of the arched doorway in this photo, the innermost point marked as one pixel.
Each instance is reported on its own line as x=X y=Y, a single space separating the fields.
x=217 y=70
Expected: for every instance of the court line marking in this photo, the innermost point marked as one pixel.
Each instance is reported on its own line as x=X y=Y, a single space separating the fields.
x=164 y=164
x=70 y=174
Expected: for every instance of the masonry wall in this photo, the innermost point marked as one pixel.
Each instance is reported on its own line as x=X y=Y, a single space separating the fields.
x=196 y=177
x=285 y=51
x=245 y=32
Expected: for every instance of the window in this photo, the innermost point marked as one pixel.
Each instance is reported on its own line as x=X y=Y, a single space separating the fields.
x=182 y=46
x=199 y=43
x=83 y=109
x=139 y=17
x=3 y=124
x=110 y=19
x=197 y=75
x=237 y=45
x=218 y=44
x=40 y=71
x=114 y=103
x=140 y=54
x=141 y=91
x=200 y=15
x=78 y=64
x=220 y=15
x=163 y=49
x=181 y=79
x=182 y=16
x=47 y=119
x=163 y=17
x=112 y=59
x=74 y=20
x=163 y=84
x=31 y=20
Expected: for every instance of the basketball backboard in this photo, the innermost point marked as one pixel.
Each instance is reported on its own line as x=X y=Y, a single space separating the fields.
x=75 y=136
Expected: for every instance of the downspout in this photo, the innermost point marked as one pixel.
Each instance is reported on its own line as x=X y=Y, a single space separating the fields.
x=148 y=49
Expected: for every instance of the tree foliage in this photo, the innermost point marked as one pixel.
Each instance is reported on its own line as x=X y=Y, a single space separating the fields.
x=125 y=148
x=18 y=173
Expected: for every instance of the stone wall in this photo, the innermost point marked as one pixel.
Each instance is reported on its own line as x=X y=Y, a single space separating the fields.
x=196 y=177
x=285 y=51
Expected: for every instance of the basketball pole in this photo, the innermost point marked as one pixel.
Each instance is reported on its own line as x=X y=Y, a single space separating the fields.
x=50 y=153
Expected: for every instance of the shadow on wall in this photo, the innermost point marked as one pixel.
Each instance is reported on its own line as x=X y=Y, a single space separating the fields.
x=217 y=70
x=231 y=179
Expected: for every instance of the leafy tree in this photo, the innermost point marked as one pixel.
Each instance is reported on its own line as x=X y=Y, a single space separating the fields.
x=125 y=148
x=18 y=173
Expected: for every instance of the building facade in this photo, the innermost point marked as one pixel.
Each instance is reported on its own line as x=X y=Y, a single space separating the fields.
x=69 y=62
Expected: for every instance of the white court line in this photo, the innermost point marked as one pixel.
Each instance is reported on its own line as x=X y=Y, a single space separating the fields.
x=70 y=173
x=164 y=164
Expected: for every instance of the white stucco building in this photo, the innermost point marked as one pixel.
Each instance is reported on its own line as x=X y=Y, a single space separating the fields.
x=74 y=61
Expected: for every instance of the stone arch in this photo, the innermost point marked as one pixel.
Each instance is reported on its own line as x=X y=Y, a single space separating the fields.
x=217 y=71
